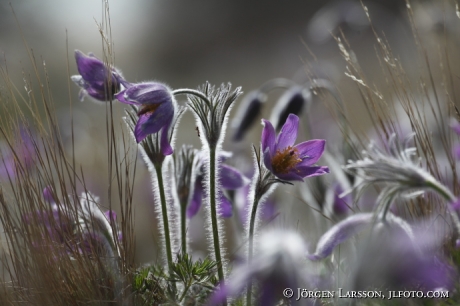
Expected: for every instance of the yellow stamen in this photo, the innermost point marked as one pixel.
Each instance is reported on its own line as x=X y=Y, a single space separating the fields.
x=148 y=108
x=285 y=160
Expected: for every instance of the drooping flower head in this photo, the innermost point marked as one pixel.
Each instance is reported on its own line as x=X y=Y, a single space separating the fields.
x=96 y=79
x=289 y=162
x=156 y=106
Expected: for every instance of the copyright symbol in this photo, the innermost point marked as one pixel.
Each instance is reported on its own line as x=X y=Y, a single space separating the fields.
x=288 y=293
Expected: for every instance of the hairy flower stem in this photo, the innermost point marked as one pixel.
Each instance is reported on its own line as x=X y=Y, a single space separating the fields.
x=183 y=227
x=250 y=244
x=260 y=190
x=188 y=91
x=213 y=204
x=164 y=211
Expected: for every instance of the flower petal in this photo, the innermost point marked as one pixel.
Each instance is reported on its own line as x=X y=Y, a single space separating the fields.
x=90 y=68
x=123 y=99
x=268 y=137
x=288 y=133
x=147 y=93
x=310 y=151
x=310 y=171
x=48 y=194
x=225 y=206
x=231 y=178
x=268 y=159
x=152 y=122
x=195 y=204
x=339 y=233
x=290 y=176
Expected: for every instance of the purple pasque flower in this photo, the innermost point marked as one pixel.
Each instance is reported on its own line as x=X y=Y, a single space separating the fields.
x=156 y=106
x=398 y=261
x=279 y=263
x=18 y=154
x=289 y=162
x=96 y=79
x=230 y=179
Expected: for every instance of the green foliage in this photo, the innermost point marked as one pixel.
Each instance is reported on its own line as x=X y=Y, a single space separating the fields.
x=190 y=283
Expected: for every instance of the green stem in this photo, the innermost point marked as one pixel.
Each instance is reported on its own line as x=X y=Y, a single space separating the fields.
x=187 y=286
x=213 y=204
x=250 y=244
x=442 y=190
x=188 y=91
x=164 y=212
x=183 y=227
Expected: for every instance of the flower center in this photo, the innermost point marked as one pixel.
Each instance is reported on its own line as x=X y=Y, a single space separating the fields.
x=148 y=108
x=285 y=160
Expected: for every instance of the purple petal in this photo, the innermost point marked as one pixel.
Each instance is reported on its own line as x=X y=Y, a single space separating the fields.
x=121 y=97
x=339 y=233
x=111 y=215
x=341 y=206
x=288 y=133
x=195 y=203
x=48 y=194
x=225 y=207
x=290 y=176
x=152 y=122
x=457 y=152
x=310 y=171
x=268 y=137
x=96 y=93
x=455 y=127
x=147 y=93
x=456 y=204
x=310 y=151
x=231 y=178
x=268 y=160
x=90 y=68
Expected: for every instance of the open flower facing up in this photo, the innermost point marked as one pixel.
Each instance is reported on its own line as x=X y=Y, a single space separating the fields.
x=96 y=79
x=156 y=106
x=289 y=162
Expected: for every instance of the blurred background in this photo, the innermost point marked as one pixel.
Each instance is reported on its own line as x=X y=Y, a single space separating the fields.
x=185 y=43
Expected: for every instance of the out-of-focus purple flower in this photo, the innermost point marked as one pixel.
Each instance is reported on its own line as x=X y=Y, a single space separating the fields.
x=455 y=125
x=267 y=211
x=337 y=206
x=339 y=233
x=396 y=261
x=48 y=194
x=289 y=162
x=278 y=264
x=156 y=110
x=58 y=223
x=20 y=154
x=230 y=179
x=96 y=79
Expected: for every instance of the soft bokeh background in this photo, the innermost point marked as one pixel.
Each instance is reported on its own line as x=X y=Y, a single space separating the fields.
x=185 y=43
